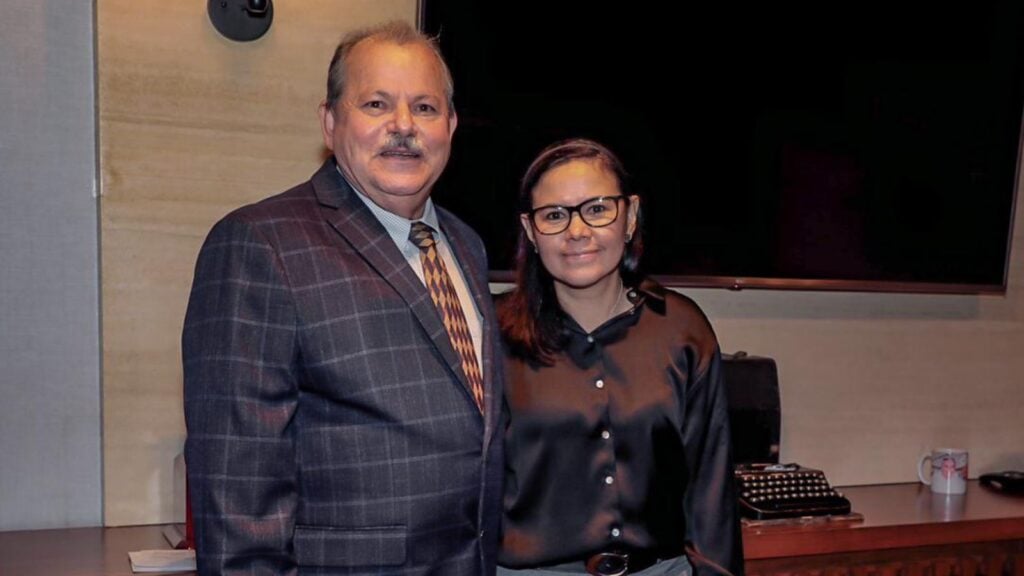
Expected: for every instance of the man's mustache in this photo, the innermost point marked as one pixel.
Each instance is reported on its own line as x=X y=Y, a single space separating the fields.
x=403 y=143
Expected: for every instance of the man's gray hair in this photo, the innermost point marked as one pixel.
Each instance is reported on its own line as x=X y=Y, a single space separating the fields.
x=394 y=32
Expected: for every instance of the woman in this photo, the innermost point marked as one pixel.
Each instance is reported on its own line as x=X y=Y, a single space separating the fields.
x=617 y=441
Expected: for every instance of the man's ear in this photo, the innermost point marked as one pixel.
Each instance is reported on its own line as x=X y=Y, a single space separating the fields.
x=453 y=121
x=327 y=121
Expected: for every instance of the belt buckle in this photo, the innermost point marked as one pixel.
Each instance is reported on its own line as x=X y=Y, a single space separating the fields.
x=608 y=564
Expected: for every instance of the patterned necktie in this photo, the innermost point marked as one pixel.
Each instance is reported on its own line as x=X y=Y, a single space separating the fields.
x=435 y=276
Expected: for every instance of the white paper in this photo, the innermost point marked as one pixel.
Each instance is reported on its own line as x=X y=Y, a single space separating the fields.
x=163 y=560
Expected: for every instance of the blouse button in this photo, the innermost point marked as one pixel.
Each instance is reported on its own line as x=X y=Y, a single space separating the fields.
x=609 y=480
x=590 y=339
x=616 y=532
x=599 y=383
x=606 y=434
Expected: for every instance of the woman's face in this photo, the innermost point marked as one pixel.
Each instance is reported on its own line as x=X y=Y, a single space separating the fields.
x=581 y=257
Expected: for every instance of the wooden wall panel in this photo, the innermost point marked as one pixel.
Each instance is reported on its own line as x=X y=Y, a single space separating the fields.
x=191 y=125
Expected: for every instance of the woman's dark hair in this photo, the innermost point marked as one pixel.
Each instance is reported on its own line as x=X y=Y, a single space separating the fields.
x=530 y=316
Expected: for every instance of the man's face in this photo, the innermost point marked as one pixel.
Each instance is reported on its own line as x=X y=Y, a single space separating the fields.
x=391 y=130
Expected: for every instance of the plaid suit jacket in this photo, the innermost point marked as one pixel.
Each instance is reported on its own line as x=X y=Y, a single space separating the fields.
x=330 y=427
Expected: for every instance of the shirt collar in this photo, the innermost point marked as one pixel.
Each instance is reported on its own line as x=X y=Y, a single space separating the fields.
x=396 y=226
x=586 y=349
x=651 y=292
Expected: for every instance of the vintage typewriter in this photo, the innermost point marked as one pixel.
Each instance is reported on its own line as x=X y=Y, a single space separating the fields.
x=770 y=491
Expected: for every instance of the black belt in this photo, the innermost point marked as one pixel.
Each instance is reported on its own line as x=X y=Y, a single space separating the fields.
x=620 y=562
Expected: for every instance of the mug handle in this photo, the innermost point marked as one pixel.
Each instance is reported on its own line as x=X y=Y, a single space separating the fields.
x=925 y=479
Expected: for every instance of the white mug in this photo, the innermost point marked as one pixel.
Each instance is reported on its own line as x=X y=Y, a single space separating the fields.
x=947 y=473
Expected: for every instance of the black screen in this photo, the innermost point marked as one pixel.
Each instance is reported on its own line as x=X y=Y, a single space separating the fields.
x=837 y=145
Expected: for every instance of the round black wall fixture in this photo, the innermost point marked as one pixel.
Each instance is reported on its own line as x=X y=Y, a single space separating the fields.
x=241 y=20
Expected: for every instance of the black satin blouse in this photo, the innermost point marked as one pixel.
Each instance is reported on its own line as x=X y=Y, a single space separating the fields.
x=623 y=443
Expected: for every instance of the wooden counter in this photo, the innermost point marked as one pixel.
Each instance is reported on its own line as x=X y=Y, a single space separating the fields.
x=77 y=551
x=905 y=530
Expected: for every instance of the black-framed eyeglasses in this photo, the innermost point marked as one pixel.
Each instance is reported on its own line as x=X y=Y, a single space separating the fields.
x=595 y=212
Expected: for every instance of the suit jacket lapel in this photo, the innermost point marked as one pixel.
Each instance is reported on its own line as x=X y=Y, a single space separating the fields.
x=354 y=221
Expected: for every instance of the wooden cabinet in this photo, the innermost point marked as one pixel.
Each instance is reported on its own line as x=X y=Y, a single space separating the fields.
x=899 y=530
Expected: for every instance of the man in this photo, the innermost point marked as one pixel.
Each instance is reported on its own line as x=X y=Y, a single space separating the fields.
x=339 y=421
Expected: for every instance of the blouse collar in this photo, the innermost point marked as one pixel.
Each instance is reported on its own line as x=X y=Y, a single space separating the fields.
x=585 y=349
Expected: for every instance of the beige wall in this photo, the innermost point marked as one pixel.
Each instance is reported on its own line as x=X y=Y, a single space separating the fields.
x=192 y=125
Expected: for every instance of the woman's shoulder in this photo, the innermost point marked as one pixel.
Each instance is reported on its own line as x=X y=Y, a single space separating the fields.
x=670 y=303
x=680 y=314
